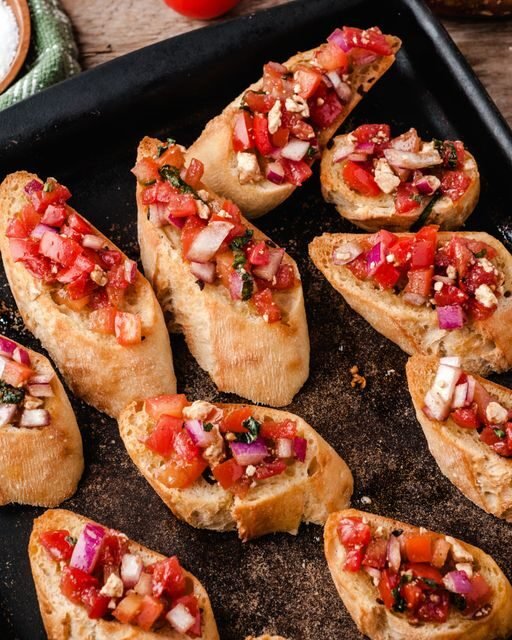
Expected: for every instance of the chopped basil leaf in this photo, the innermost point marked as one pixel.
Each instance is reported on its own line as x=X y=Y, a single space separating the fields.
x=397 y=532
x=400 y=604
x=239 y=259
x=311 y=152
x=452 y=161
x=161 y=149
x=438 y=146
x=9 y=394
x=71 y=540
x=430 y=583
x=458 y=601
x=171 y=141
x=500 y=433
x=172 y=175
x=253 y=427
x=426 y=212
x=207 y=426
x=240 y=242
x=247 y=286
x=49 y=185
x=481 y=254
x=406 y=578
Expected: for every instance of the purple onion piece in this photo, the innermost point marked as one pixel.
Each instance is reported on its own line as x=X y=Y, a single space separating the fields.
x=199 y=436
x=33 y=186
x=337 y=37
x=7 y=414
x=88 y=547
x=450 y=317
x=457 y=582
x=7 y=347
x=300 y=447
x=252 y=453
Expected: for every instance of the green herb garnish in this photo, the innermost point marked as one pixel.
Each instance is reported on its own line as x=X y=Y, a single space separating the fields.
x=426 y=212
x=430 y=583
x=481 y=254
x=406 y=578
x=438 y=146
x=453 y=160
x=458 y=601
x=253 y=427
x=400 y=604
x=49 y=185
x=241 y=241
x=239 y=259
x=247 y=286
x=207 y=426
x=172 y=175
x=71 y=540
x=500 y=433
x=9 y=394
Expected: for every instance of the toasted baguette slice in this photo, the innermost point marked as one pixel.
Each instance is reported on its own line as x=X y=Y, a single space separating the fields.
x=214 y=148
x=482 y=475
x=360 y=596
x=374 y=213
x=95 y=366
x=484 y=346
x=41 y=466
x=306 y=492
x=226 y=337
x=64 y=620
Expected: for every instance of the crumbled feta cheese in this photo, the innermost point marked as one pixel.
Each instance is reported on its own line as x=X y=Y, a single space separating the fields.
x=366 y=500
x=487 y=265
x=438 y=286
x=113 y=587
x=274 y=117
x=198 y=410
x=459 y=554
x=203 y=194
x=390 y=258
x=214 y=453
x=495 y=413
x=385 y=177
x=485 y=295
x=250 y=470
x=203 y=210
x=451 y=272
x=248 y=167
x=99 y=276
x=296 y=88
x=296 y=104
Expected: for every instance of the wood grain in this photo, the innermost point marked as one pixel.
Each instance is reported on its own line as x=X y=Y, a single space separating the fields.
x=106 y=30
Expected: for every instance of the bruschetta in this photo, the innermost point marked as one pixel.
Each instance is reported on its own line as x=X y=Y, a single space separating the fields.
x=93 y=582
x=235 y=294
x=226 y=467
x=262 y=146
x=380 y=182
x=468 y=425
x=400 y=582
x=429 y=292
x=86 y=302
x=41 y=457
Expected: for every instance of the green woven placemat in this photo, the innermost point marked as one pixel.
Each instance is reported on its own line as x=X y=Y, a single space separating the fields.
x=52 y=56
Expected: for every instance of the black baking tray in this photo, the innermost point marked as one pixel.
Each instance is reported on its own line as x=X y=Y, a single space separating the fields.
x=85 y=132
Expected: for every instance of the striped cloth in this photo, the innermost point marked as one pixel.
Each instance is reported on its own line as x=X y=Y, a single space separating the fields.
x=52 y=56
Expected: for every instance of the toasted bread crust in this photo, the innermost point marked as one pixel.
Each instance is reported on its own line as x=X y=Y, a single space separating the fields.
x=359 y=595
x=308 y=493
x=64 y=620
x=95 y=367
x=484 y=346
x=482 y=475
x=377 y=213
x=213 y=147
x=42 y=466
x=226 y=337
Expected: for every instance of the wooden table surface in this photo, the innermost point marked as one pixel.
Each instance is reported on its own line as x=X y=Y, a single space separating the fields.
x=109 y=29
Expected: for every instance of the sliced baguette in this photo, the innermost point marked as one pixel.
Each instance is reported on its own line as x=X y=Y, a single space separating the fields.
x=242 y=353
x=41 y=466
x=64 y=620
x=379 y=212
x=214 y=149
x=95 y=367
x=306 y=492
x=482 y=475
x=484 y=346
x=360 y=596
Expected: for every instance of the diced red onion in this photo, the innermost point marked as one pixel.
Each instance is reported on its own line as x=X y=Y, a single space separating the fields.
x=180 y=618
x=343 y=150
x=410 y=160
x=393 y=553
x=204 y=271
x=144 y=586
x=365 y=147
x=268 y=271
x=451 y=361
x=236 y=284
x=435 y=407
x=295 y=149
x=130 y=271
x=358 y=157
x=177 y=221
x=252 y=453
x=337 y=37
x=207 y=242
x=34 y=418
x=450 y=317
x=196 y=431
x=342 y=89
x=375 y=258
x=131 y=569
x=427 y=185
x=90 y=241
x=7 y=347
x=414 y=298
x=40 y=390
x=284 y=448
x=275 y=173
x=365 y=57
x=408 y=141
x=7 y=414
x=32 y=186
x=21 y=355
x=41 y=229
x=345 y=253
x=457 y=582
x=460 y=395
x=300 y=447
x=373 y=573
x=471 y=390
x=88 y=547
x=440 y=552
x=443 y=279
x=158 y=214
x=3 y=362
x=41 y=378
x=439 y=397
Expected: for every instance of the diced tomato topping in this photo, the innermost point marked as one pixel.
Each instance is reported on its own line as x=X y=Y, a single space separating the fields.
x=146 y=171
x=373 y=133
x=95 y=604
x=284 y=278
x=103 y=320
x=78 y=224
x=190 y=602
x=161 y=440
x=387 y=584
x=228 y=473
x=435 y=610
x=296 y=171
x=369 y=39
x=280 y=137
x=243 y=134
x=266 y=306
x=273 y=430
x=331 y=58
x=359 y=178
x=420 y=281
x=449 y=295
x=54 y=193
x=173 y=155
x=194 y=173
x=480 y=593
x=184 y=445
x=16 y=374
x=74 y=582
x=182 y=205
x=150 y=610
x=22 y=225
x=233 y=421
x=23 y=248
x=465 y=417
x=353 y=559
x=418 y=548
x=171 y=405
x=454 y=184
x=359 y=267
x=425 y=571
x=58 y=544
x=169 y=578
x=423 y=252
x=261 y=135
x=192 y=227
x=375 y=555
x=258 y=253
x=112 y=550
x=260 y=102
x=308 y=79
x=325 y=107
x=270 y=469
x=412 y=593
x=59 y=249
x=480 y=249
x=386 y=275
x=477 y=275
x=180 y=474
x=407 y=198
x=276 y=80
x=402 y=251
x=127 y=328
x=354 y=532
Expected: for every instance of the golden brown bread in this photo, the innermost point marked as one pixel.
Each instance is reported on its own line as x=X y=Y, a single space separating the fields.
x=482 y=475
x=374 y=213
x=359 y=595
x=95 y=367
x=64 y=620
x=307 y=492
x=41 y=466
x=226 y=338
x=484 y=346
x=213 y=147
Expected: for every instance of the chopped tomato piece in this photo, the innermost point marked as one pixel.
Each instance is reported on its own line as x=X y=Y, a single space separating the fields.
x=161 y=440
x=465 y=417
x=420 y=281
x=22 y=225
x=402 y=251
x=95 y=604
x=74 y=582
x=16 y=374
x=53 y=192
x=261 y=135
x=325 y=107
x=127 y=328
x=412 y=593
x=128 y=609
x=375 y=555
x=194 y=173
x=266 y=306
x=425 y=571
x=480 y=593
x=260 y=102
x=331 y=58
x=184 y=445
x=146 y=171
x=192 y=227
x=58 y=544
x=478 y=311
x=354 y=532
x=369 y=39
x=407 y=198
x=449 y=295
x=418 y=548
x=480 y=249
x=273 y=430
x=423 y=252
x=270 y=469
x=180 y=474
x=387 y=584
x=359 y=267
x=435 y=610
x=258 y=253
x=386 y=275
x=103 y=320
x=182 y=205
x=243 y=134
x=169 y=578
x=276 y=80
x=23 y=248
x=171 y=405
x=353 y=559
x=173 y=155
x=296 y=171
x=150 y=610
x=308 y=79
x=284 y=278
x=359 y=178
x=78 y=224
x=228 y=473
x=112 y=550
x=59 y=248
x=373 y=133
x=234 y=420
x=280 y=137
x=454 y=184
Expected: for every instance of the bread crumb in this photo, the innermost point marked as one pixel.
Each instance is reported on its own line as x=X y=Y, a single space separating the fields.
x=357 y=379
x=366 y=500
